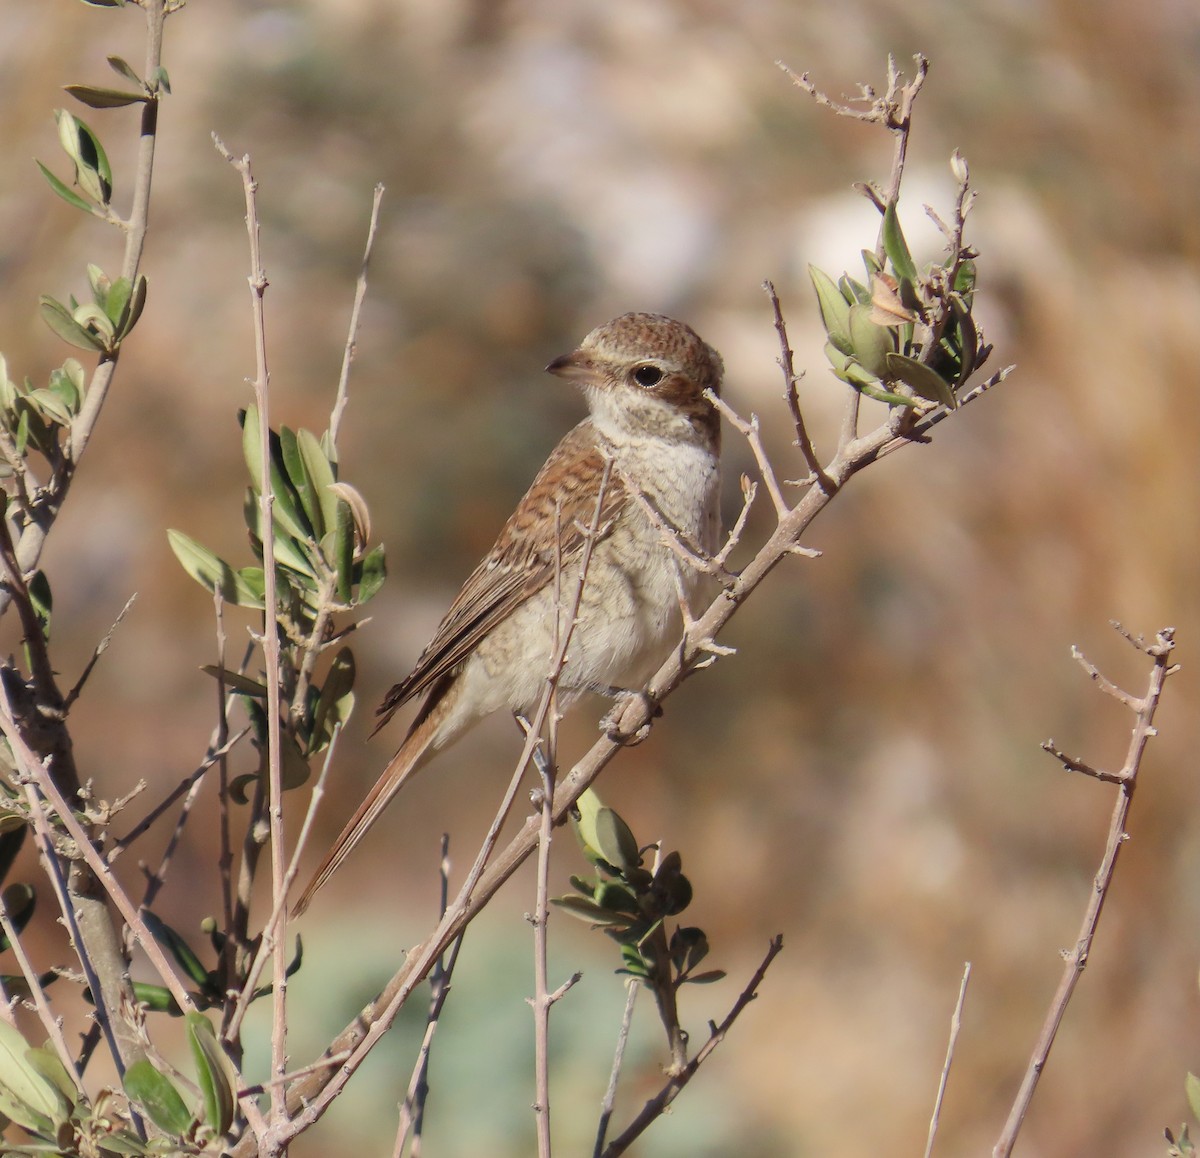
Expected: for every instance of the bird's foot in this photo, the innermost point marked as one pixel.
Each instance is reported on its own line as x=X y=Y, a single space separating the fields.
x=612 y=725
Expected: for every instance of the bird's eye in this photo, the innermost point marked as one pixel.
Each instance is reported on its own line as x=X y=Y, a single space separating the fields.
x=647 y=375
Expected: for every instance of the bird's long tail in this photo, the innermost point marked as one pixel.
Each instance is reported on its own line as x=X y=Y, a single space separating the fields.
x=403 y=765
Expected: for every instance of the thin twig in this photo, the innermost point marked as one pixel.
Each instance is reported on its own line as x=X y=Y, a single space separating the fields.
x=412 y=1109
x=322 y=1063
x=185 y=785
x=100 y=649
x=632 y=986
x=749 y=430
x=1076 y=960
x=248 y=986
x=654 y=1108
x=270 y=645
x=790 y=379
x=360 y=294
x=955 y=1028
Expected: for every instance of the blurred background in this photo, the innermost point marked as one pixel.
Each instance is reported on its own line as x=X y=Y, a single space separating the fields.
x=864 y=776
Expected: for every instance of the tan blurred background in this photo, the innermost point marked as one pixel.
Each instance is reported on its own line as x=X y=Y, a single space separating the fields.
x=864 y=776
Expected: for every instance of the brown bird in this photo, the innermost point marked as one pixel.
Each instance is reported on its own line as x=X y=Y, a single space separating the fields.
x=644 y=377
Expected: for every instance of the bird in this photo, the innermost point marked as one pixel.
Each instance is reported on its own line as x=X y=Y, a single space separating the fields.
x=646 y=461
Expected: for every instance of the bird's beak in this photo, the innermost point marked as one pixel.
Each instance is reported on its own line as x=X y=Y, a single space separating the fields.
x=575 y=367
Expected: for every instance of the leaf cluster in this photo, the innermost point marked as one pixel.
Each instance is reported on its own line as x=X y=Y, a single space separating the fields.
x=323 y=567
x=37 y=1094
x=631 y=903
x=904 y=336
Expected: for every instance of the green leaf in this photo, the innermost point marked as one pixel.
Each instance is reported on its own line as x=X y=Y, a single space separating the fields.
x=874 y=390
x=133 y=308
x=23 y=431
x=104 y=98
x=237 y=682
x=116 y=300
x=155 y=1094
x=871 y=263
x=46 y=1062
x=104 y=3
x=211 y=571
x=289 y=551
x=93 y=173
x=964 y=281
x=635 y=965
x=160 y=80
x=688 y=947
x=705 y=978
x=174 y=943
x=835 y=310
x=870 y=343
x=966 y=338
x=926 y=382
x=286 y=508
x=341 y=544
x=352 y=497
x=19 y=901
x=67 y=383
x=589 y=911
x=853 y=292
x=52 y=406
x=1192 y=1089
x=616 y=898
x=672 y=889
x=336 y=700
x=100 y=283
x=122 y=68
x=65 y=191
x=294 y=767
x=42 y=599
x=302 y=482
x=372 y=572
x=293 y=967
x=614 y=840
x=213 y=1071
x=63 y=323
x=156 y=998
x=319 y=470
x=25 y=1096
x=13 y=828
x=895 y=246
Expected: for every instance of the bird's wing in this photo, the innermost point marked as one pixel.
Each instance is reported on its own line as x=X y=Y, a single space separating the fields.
x=562 y=499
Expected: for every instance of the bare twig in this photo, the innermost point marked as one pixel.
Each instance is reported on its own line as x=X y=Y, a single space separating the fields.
x=360 y=294
x=655 y=1107
x=320 y=1064
x=749 y=430
x=1076 y=960
x=270 y=931
x=184 y=786
x=610 y=1094
x=955 y=1028
x=412 y=1109
x=790 y=380
x=100 y=649
x=270 y=644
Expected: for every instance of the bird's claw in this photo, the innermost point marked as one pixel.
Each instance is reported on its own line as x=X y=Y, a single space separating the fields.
x=611 y=724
